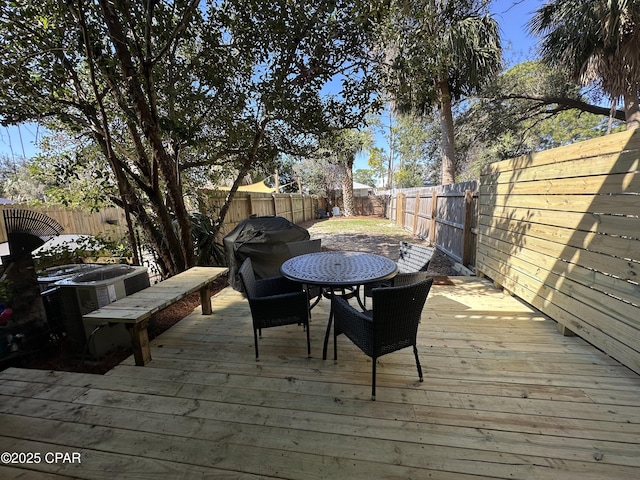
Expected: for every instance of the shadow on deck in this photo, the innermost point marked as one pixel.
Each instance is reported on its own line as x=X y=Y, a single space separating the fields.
x=504 y=396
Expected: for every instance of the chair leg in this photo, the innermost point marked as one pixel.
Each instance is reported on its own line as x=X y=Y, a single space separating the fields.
x=255 y=341
x=415 y=352
x=308 y=342
x=373 y=379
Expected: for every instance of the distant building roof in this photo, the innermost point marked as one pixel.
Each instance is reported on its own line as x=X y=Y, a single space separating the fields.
x=361 y=185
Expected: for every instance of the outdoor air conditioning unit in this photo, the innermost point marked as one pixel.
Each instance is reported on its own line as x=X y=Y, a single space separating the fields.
x=86 y=292
x=48 y=277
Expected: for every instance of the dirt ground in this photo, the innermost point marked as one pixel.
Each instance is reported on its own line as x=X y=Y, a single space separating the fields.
x=383 y=240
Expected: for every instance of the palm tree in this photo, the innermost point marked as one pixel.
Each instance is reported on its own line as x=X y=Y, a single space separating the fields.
x=343 y=146
x=441 y=51
x=597 y=42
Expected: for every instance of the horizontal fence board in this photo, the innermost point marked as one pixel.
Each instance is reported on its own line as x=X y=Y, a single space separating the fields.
x=561 y=230
x=550 y=277
x=622 y=268
x=602 y=204
x=602 y=147
x=570 y=314
x=618 y=165
x=619 y=267
x=543 y=258
x=628 y=226
x=622 y=247
x=600 y=184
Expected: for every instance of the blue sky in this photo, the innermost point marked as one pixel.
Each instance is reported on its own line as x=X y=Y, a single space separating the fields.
x=512 y=16
x=16 y=142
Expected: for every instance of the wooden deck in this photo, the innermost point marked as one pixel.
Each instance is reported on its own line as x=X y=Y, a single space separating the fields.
x=505 y=396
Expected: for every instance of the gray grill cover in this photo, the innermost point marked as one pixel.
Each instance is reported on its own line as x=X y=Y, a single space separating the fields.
x=264 y=240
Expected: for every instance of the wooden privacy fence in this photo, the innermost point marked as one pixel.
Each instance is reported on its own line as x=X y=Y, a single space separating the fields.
x=445 y=215
x=365 y=206
x=109 y=222
x=561 y=230
x=294 y=207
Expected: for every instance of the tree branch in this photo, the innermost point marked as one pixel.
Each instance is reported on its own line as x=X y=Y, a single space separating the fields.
x=567 y=103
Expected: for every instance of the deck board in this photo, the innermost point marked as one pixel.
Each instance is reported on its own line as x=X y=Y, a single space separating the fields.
x=504 y=396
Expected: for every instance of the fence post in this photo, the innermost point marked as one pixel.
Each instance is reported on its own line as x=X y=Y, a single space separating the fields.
x=416 y=211
x=466 y=231
x=400 y=206
x=293 y=210
x=434 y=213
x=275 y=205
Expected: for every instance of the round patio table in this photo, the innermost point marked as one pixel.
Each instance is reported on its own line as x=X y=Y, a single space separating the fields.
x=337 y=271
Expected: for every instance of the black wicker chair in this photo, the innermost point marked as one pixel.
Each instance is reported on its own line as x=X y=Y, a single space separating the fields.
x=403 y=279
x=391 y=325
x=412 y=259
x=399 y=280
x=274 y=302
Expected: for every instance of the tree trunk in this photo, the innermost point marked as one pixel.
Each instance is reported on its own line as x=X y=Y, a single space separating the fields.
x=166 y=195
x=347 y=188
x=632 y=113
x=448 y=171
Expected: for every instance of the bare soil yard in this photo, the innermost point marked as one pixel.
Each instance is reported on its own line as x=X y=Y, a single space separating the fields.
x=372 y=234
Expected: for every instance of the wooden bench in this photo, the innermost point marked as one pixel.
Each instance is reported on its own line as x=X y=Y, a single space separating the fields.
x=414 y=258
x=136 y=309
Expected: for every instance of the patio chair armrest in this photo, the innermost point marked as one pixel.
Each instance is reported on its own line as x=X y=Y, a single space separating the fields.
x=368 y=287
x=281 y=305
x=356 y=325
x=266 y=287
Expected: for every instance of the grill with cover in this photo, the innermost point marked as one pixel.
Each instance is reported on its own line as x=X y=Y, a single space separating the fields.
x=264 y=240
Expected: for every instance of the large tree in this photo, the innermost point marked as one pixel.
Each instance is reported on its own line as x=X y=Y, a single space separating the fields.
x=505 y=123
x=441 y=51
x=416 y=143
x=597 y=42
x=165 y=87
x=341 y=148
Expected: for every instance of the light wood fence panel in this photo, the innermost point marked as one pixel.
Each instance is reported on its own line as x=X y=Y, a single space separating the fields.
x=108 y=223
x=294 y=207
x=561 y=230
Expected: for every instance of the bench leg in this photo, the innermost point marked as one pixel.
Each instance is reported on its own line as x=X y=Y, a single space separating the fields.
x=140 y=342
x=205 y=299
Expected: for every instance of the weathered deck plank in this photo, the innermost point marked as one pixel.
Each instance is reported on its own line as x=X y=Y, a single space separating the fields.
x=504 y=396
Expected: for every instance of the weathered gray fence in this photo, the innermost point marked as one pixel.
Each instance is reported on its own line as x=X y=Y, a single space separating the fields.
x=445 y=215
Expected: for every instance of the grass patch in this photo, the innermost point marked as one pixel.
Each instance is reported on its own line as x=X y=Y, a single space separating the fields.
x=361 y=225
